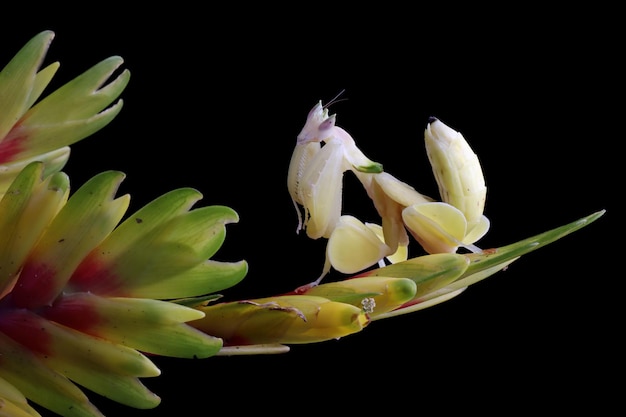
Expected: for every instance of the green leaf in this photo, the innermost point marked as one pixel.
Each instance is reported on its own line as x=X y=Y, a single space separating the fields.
x=85 y=220
x=84 y=102
x=483 y=265
x=205 y=278
x=25 y=211
x=53 y=162
x=17 y=79
x=82 y=97
x=41 y=384
x=151 y=326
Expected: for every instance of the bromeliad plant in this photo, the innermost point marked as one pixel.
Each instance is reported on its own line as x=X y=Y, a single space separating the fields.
x=89 y=294
x=41 y=132
x=81 y=297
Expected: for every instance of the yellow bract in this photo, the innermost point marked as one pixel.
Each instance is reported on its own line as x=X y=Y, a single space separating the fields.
x=286 y=319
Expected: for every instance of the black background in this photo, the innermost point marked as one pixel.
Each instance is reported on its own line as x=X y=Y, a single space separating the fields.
x=216 y=98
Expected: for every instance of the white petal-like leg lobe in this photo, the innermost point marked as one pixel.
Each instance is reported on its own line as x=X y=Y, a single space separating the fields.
x=300 y=159
x=438 y=227
x=353 y=246
x=321 y=190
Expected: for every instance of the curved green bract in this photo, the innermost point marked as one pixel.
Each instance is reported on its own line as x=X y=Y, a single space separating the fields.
x=206 y=278
x=17 y=79
x=41 y=384
x=485 y=264
x=162 y=251
x=429 y=272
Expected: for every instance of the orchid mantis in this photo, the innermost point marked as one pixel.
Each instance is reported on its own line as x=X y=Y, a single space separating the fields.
x=325 y=151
